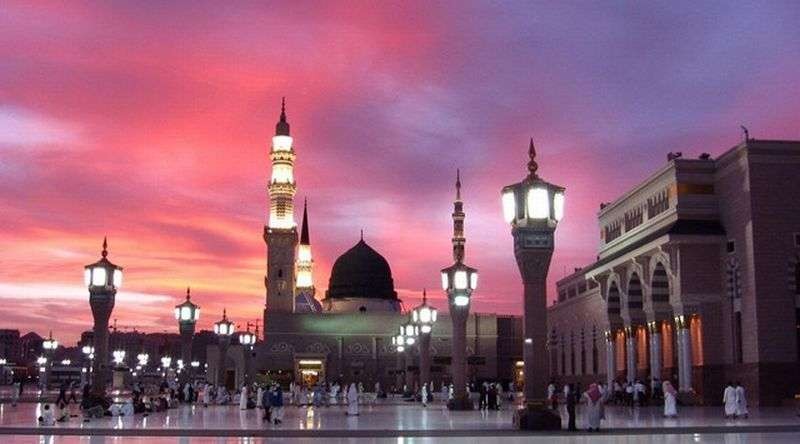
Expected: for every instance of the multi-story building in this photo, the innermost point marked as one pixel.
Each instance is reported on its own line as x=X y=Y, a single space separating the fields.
x=9 y=345
x=696 y=280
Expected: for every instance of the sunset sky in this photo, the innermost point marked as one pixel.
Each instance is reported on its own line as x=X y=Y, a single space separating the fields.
x=150 y=123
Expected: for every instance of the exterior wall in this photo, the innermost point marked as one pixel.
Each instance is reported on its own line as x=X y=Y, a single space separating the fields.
x=358 y=305
x=281 y=246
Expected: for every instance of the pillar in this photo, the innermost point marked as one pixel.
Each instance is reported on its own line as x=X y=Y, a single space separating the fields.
x=655 y=350
x=409 y=382
x=611 y=359
x=223 y=354
x=187 y=332
x=630 y=349
x=100 y=370
x=459 y=362
x=684 y=354
x=425 y=360
x=535 y=333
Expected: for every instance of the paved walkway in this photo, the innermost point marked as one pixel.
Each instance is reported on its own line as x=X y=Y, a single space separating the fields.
x=379 y=420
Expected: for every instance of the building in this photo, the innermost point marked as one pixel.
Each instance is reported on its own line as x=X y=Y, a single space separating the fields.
x=346 y=335
x=10 y=345
x=696 y=280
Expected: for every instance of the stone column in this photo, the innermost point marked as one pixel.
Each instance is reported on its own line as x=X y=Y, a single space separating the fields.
x=684 y=354
x=425 y=360
x=187 y=333
x=398 y=376
x=535 y=334
x=630 y=345
x=224 y=341
x=102 y=304
x=459 y=362
x=611 y=359
x=655 y=350
x=409 y=373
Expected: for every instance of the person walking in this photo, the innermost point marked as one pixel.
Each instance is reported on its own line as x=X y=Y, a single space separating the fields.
x=570 y=403
x=277 y=404
x=729 y=399
x=243 y=398
x=352 y=400
x=594 y=403
x=670 y=400
x=266 y=404
x=17 y=392
x=424 y=392
x=551 y=395
x=741 y=402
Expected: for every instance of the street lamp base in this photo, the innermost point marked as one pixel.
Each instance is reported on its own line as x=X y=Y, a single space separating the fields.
x=460 y=404
x=535 y=415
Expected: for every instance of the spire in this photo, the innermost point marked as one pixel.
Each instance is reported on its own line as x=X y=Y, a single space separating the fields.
x=304 y=238
x=424 y=297
x=458 y=184
x=282 y=128
x=187 y=294
x=532 y=165
x=224 y=314
x=105 y=246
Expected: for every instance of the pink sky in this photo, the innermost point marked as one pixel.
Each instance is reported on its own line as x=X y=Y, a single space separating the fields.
x=150 y=123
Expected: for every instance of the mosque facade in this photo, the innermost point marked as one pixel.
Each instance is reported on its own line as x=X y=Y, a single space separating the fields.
x=346 y=334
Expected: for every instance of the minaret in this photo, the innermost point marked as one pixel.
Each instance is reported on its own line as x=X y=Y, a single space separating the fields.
x=281 y=232
x=458 y=223
x=305 y=281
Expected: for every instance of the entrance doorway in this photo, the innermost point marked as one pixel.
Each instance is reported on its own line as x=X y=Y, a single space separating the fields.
x=310 y=370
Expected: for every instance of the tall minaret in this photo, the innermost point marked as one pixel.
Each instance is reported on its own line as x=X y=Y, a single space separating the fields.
x=281 y=232
x=458 y=223
x=305 y=281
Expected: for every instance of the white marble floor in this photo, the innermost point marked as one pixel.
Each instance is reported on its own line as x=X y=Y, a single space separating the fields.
x=703 y=438
x=390 y=417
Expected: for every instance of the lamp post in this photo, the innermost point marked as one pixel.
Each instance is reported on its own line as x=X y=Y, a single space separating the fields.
x=119 y=357
x=424 y=316
x=459 y=281
x=224 y=330
x=49 y=345
x=533 y=208
x=410 y=332
x=187 y=314
x=247 y=340
x=88 y=353
x=399 y=343
x=166 y=363
x=103 y=278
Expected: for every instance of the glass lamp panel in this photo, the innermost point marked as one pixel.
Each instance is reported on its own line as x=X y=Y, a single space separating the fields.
x=98 y=276
x=401 y=349
x=117 y=278
x=460 y=279
x=415 y=316
x=558 y=206
x=434 y=313
x=461 y=301
x=186 y=314
x=281 y=143
x=196 y=313
x=231 y=328
x=177 y=313
x=509 y=206
x=538 y=203
x=426 y=328
x=473 y=280
x=87 y=277
x=425 y=315
x=216 y=329
x=444 y=281
x=410 y=341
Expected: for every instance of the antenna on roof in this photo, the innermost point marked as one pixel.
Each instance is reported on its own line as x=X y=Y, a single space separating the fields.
x=746 y=133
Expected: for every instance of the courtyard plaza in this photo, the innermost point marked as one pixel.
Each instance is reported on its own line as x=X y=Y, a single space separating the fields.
x=397 y=421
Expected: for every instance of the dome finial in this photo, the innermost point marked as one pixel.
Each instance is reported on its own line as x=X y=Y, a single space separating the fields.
x=105 y=246
x=532 y=165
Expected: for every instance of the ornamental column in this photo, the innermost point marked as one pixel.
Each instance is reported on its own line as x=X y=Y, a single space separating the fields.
x=655 y=349
x=611 y=359
x=684 y=354
x=103 y=278
x=630 y=345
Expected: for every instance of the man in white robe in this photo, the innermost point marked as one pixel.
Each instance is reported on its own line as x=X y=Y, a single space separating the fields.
x=243 y=398
x=352 y=400
x=424 y=393
x=729 y=399
x=741 y=402
x=670 y=400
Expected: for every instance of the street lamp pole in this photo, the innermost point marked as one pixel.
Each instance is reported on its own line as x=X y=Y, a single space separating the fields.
x=459 y=281
x=187 y=314
x=247 y=340
x=103 y=278
x=533 y=208
x=424 y=316
x=224 y=330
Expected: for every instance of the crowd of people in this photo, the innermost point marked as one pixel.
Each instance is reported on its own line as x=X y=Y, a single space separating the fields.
x=632 y=394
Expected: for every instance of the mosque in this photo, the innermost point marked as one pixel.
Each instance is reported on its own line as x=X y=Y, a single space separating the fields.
x=345 y=335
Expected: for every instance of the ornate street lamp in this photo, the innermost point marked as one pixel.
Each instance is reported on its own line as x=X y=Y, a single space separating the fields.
x=224 y=330
x=49 y=345
x=103 y=278
x=410 y=333
x=459 y=281
x=424 y=316
x=187 y=314
x=88 y=354
x=247 y=341
x=119 y=357
x=533 y=208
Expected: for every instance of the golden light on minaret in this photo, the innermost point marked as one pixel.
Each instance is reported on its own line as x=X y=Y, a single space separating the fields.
x=282 y=186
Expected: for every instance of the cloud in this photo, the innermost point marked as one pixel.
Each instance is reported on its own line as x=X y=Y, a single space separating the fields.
x=23 y=128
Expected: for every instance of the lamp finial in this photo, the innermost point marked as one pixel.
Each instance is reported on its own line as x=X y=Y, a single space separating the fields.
x=532 y=165
x=105 y=246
